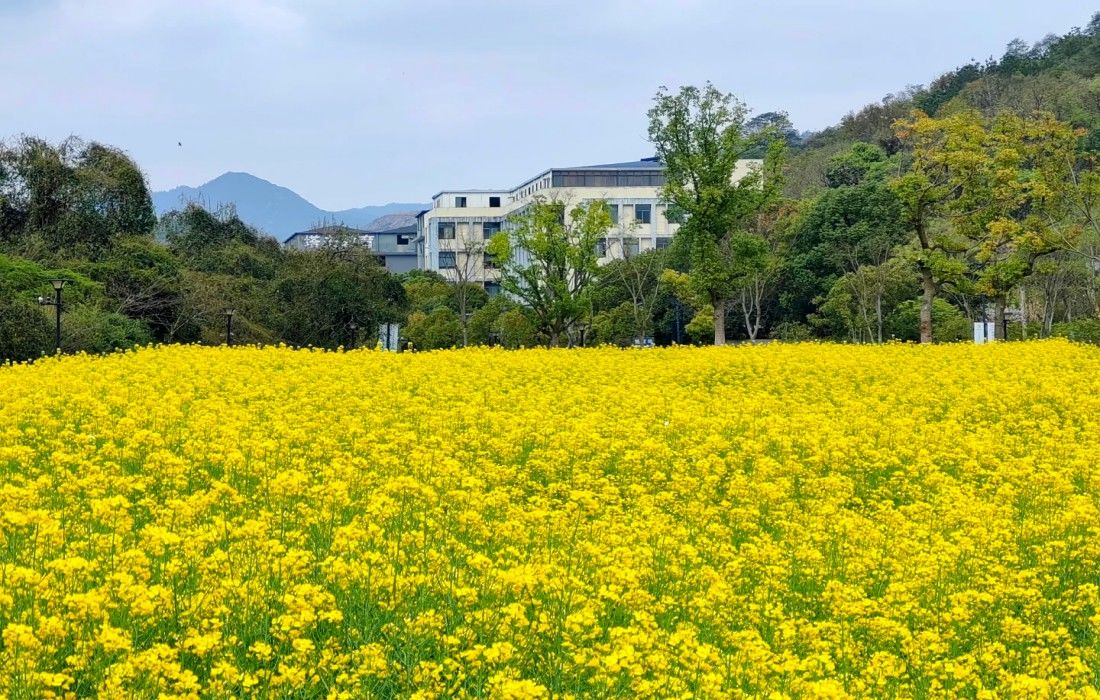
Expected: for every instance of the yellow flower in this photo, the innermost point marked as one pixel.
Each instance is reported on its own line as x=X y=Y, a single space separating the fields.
x=782 y=521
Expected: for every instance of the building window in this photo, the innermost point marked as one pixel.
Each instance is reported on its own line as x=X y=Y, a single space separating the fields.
x=601 y=248
x=630 y=246
x=447 y=260
x=643 y=213
x=492 y=288
x=446 y=231
x=608 y=178
x=488 y=261
x=460 y=202
x=614 y=209
x=403 y=240
x=494 y=202
x=663 y=242
x=490 y=229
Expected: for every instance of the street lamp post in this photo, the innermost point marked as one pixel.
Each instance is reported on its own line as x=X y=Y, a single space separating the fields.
x=58 y=284
x=229 y=326
x=352 y=327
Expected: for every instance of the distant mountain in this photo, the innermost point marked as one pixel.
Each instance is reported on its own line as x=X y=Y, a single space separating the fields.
x=274 y=210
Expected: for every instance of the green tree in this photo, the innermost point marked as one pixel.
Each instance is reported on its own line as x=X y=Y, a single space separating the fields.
x=438 y=329
x=515 y=329
x=761 y=260
x=70 y=200
x=700 y=135
x=485 y=323
x=547 y=258
x=225 y=263
x=426 y=290
x=616 y=326
x=637 y=276
x=26 y=280
x=857 y=222
x=1010 y=178
x=25 y=332
x=924 y=190
x=862 y=161
x=859 y=302
x=90 y=329
x=220 y=242
x=949 y=324
x=322 y=292
x=142 y=280
x=701 y=323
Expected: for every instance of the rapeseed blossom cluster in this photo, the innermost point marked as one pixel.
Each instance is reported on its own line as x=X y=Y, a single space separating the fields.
x=780 y=521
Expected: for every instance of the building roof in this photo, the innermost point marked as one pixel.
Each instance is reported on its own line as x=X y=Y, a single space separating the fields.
x=477 y=191
x=327 y=230
x=399 y=230
x=651 y=163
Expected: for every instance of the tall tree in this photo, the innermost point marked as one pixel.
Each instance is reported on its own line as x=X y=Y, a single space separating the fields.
x=762 y=262
x=700 y=135
x=639 y=275
x=324 y=293
x=1010 y=179
x=73 y=199
x=470 y=263
x=547 y=257
x=924 y=189
x=1003 y=186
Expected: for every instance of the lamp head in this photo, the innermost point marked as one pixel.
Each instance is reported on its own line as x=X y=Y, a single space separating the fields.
x=230 y=312
x=58 y=284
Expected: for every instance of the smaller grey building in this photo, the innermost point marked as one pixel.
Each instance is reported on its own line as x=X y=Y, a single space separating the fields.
x=394 y=238
x=317 y=237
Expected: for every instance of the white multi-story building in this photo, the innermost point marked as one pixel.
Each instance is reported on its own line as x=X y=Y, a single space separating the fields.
x=451 y=235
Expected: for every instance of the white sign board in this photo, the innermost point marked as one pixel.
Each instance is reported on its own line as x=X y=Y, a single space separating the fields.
x=388 y=334
x=984 y=332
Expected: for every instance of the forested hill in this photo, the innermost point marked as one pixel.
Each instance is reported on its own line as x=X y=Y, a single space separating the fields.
x=1058 y=74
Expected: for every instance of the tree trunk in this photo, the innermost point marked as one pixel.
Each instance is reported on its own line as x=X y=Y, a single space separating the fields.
x=878 y=315
x=928 y=286
x=1023 y=313
x=999 y=318
x=720 y=323
x=747 y=313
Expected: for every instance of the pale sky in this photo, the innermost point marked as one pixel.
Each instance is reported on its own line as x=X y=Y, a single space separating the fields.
x=355 y=103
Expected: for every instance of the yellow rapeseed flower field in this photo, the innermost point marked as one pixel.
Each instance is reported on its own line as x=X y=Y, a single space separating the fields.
x=780 y=521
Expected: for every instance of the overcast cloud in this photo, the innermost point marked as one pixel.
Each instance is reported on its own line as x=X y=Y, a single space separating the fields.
x=354 y=103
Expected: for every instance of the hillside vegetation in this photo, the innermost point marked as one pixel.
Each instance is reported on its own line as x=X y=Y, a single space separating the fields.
x=1058 y=74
